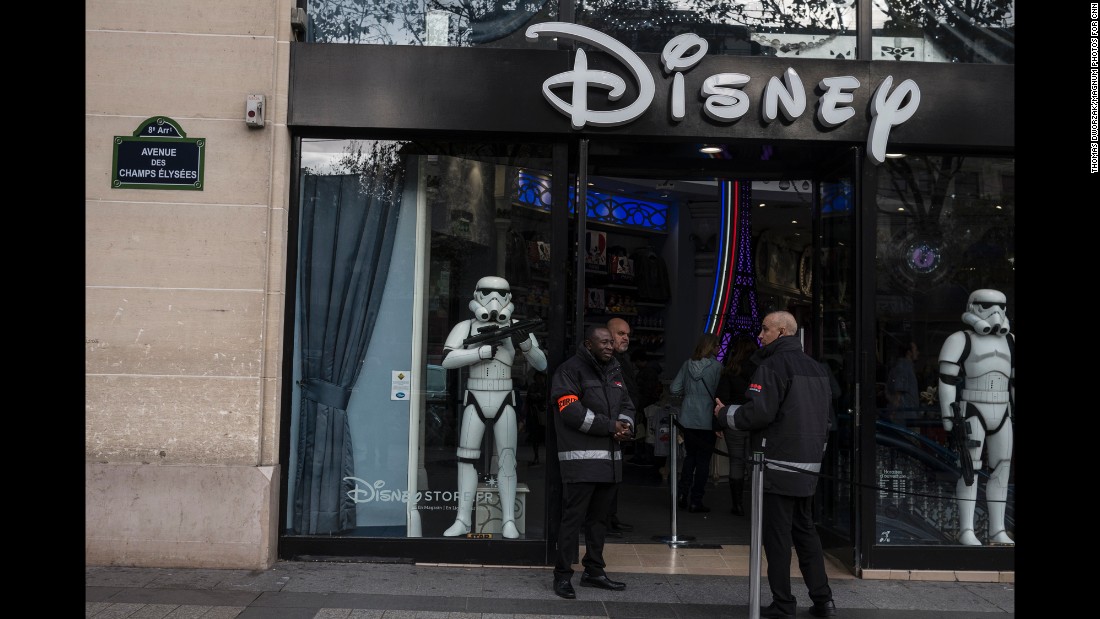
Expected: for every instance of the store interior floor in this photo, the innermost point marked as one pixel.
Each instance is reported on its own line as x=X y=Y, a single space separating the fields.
x=646 y=500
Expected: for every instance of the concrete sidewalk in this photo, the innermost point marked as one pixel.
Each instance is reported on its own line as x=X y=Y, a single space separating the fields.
x=332 y=590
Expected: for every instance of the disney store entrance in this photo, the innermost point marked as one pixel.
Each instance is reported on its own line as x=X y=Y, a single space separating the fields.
x=738 y=236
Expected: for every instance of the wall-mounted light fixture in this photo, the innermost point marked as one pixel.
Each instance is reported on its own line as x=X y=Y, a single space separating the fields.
x=254 y=111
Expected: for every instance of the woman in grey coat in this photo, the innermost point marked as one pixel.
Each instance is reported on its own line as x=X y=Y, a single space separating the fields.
x=697 y=382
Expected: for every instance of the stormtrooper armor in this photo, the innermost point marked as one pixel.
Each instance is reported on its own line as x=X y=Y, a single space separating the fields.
x=489 y=399
x=976 y=369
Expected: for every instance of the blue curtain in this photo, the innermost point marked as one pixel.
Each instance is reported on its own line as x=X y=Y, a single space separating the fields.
x=348 y=226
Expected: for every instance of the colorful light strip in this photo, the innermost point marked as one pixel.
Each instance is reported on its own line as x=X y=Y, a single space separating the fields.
x=727 y=245
x=735 y=279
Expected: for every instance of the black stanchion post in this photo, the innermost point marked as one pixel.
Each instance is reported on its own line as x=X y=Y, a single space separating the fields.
x=754 y=543
x=673 y=478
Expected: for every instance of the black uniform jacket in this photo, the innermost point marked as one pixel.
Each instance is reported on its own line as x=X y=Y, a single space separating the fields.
x=787 y=414
x=586 y=400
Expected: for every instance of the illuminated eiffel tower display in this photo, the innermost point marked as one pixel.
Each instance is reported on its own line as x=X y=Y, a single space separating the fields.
x=734 y=308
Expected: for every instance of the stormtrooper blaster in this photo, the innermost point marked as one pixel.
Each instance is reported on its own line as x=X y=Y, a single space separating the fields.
x=960 y=435
x=494 y=334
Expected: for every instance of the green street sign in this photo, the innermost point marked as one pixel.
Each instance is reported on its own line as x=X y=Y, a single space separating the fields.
x=159 y=155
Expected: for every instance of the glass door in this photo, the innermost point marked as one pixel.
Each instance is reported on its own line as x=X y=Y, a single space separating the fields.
x=680 y=243
x=836 y=294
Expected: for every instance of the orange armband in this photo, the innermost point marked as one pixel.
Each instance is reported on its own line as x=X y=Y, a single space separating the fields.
x=566 y=400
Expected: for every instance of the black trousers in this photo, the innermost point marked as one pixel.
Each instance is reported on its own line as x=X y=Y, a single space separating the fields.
x=737 y=448
x=789 y=520
x=586 y=504
x=698 y=449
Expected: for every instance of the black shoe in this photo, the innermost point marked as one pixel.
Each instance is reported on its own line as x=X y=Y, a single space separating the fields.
x=602 y=581
x=564 y=588
x=773 y=612
x=698 y=508
x=614 y=533
x=619 y=525
x=823 y=609
x=682 y=502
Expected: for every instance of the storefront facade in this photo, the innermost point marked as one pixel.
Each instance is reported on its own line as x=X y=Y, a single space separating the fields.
x=416 y=170
x=471 y=131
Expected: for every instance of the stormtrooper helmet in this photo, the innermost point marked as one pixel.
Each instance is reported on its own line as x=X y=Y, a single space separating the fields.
x=985 y=312
x=492 y=300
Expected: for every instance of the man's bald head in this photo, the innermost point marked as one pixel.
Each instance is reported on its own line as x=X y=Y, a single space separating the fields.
x=620 y=331
x=776 y=325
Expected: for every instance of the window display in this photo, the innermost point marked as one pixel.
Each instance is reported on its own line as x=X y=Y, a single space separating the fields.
x=487 y=345
x=392 y=242
x=945 y=242
x=977 y=391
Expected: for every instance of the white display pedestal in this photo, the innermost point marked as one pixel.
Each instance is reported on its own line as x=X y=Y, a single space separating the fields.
x=487 y=513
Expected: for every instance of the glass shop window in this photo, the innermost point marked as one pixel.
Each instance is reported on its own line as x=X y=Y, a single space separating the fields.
x=945 y=257
x=401 y=246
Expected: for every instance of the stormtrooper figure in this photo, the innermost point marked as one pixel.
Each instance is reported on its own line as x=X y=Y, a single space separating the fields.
x=977 y=370
x=489 y=399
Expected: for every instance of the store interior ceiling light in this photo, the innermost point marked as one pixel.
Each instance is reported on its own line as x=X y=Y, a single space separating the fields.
x=710 y=149
x=895 y=155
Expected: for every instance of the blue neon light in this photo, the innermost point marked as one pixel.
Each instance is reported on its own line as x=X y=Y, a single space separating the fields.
x=534 y=190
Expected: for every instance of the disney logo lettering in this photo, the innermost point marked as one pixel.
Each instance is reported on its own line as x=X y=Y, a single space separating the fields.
x=580 y=78
x=369 y=492
x=724 y=101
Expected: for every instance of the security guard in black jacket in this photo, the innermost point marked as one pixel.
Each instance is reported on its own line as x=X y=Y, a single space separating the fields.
x=787 y=414
x=592 y=415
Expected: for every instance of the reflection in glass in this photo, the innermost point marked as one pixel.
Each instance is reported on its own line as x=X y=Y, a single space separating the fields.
x=944 y=31
x=979 y=32
x=802 y=29
x=945 y=228
x=451 y=23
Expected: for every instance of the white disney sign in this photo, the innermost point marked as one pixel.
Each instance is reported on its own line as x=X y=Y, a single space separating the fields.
x=724 y=100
